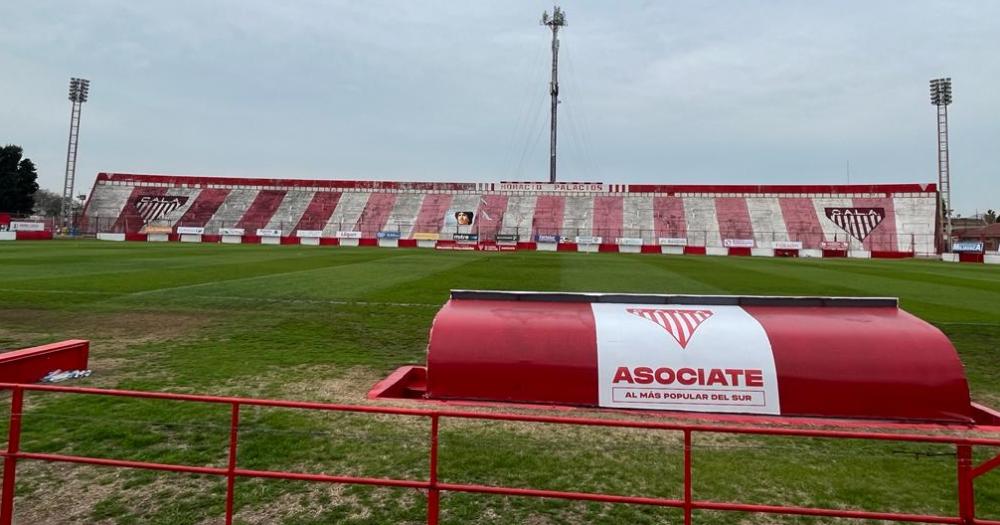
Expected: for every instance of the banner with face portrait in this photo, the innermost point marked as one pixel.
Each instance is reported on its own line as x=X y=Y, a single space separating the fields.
x=454 y=218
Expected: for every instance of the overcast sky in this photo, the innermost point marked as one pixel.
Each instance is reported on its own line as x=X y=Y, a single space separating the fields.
x=670 y=92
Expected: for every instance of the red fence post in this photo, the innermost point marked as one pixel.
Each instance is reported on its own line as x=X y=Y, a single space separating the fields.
x=687 y=477
x=433 y=494
x=966 y=490
x=234 y=424
x=10 y=459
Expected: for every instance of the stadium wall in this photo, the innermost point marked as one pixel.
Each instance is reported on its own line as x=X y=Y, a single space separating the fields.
x=889 y=220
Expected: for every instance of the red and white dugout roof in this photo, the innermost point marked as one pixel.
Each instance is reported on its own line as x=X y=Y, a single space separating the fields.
x=785 y=356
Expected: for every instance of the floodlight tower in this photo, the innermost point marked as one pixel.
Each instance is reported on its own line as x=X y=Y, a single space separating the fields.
x=79 y=88
x=941 y=97
x=557 y=20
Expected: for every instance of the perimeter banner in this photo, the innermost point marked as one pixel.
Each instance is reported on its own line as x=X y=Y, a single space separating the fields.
x=706 y=359
x=27 y=226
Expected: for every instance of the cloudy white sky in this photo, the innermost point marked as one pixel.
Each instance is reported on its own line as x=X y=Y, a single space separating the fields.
x=673 y=92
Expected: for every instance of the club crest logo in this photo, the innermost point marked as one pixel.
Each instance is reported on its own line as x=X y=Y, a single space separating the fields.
x=680 y=324
x=155 y=207
x=857 y=222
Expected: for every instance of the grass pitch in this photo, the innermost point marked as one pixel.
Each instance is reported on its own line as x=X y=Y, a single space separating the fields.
x=326 y=323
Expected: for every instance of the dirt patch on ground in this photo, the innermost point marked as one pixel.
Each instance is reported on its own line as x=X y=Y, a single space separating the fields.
x=108 y=328
x=71 y=494
x=319 y=498
x=66 y=493
x=110 y=334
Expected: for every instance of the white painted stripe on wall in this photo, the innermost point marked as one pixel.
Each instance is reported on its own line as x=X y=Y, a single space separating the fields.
x=404 y=213
x=519 y=216
x=637 y=218
x=767 y=220
x=231 y=211
x=345 y=216
x=291 y=209
x=578 y=216
x=702 y=223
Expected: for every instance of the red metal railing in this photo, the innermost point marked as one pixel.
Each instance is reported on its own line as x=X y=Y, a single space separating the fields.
x=966 y=469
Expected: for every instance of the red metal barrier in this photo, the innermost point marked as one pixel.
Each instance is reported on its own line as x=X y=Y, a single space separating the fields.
x=967 y=470
x=29 y=365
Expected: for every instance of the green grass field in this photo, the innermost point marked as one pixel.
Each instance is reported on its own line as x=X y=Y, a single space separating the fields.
x=325 y=324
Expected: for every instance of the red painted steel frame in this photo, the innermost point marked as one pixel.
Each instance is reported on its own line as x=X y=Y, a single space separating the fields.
x=29 y=365
x=966 y=469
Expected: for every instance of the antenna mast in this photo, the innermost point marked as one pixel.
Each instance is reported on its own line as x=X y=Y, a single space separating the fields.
x=557 y=20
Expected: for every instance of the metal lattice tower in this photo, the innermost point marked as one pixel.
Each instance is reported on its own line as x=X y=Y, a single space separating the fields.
x=557 y=20
x=78 y=91
x=941 y=97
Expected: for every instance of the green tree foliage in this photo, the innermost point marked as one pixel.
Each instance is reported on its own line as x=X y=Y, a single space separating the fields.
x=990 y=216
x=48 y=203
x=18 y=181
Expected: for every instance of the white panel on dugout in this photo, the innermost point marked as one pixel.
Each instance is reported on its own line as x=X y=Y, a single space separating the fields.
x=991 y=259
x=157 y=237
x=859 y=254
x=672 y=250
x=426 y=243
x=8 y=236
x=111 y=236
x=349 y=242
x=270 y=240
x=762 y=252
x=388 y=243
x=309 y=241
x=190 y=237
x=716 y=250
x=589 y=248
x=232 y=239
x=546 y=246
x=949 y=257
x=728 y=337
x=809 y=252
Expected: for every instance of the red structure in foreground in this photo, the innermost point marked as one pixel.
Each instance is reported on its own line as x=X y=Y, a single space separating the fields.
x=29 y=365
x=857 y=358
x=966 y=469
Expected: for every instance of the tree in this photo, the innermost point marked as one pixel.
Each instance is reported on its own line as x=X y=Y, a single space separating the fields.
x=50 y=203
x=990 y=216
x=18 y=181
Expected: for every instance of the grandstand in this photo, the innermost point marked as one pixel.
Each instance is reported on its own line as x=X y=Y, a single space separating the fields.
x=877 y=220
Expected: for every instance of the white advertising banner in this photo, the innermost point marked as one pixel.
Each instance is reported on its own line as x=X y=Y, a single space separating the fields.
x=348 y=235
x=787 y=245
x=629 y=241
x=588 y=240
x=267 y=232
x=190 y=230
x=25 y=226
x=737 y=243
x=673 y=241
x=684 y=357
x=309 y=234
x=231 y=231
